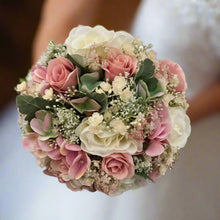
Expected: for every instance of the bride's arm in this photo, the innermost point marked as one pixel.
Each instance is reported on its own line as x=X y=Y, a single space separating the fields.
x=205 y=103
x=57 y=19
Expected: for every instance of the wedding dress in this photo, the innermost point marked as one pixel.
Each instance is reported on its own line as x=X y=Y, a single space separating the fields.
x=186 y=32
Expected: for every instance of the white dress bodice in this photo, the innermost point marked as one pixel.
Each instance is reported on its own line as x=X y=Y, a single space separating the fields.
x=187 y=32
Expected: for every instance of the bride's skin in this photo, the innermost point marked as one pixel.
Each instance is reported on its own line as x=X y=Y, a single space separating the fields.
x=59 y=17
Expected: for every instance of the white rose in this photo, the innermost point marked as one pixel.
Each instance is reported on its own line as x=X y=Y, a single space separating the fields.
x=105 y=142
x=118 y=84
x=181 y=128
x=83 y=37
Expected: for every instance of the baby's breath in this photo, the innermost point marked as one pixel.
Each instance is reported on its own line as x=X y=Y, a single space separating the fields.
x=66 y=122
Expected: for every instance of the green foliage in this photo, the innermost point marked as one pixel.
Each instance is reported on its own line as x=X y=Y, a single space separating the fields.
x=85 y=104
x=143 y=174
x=78 y=61
x=90 y=81
x=147 y=85
x=146 y=71
x=28 y=105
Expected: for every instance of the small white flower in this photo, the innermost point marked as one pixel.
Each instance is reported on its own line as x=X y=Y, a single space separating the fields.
x=118 y=84
x=48 y=94
x=167 y=98
x=21 y=87
x=126 y=95
x=107 y=116
x=163 y=169
x=99 y=91
x=118 y=126
x=105 y=86
x=95 y=119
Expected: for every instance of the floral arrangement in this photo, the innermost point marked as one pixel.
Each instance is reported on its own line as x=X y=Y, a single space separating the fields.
x=101 y=112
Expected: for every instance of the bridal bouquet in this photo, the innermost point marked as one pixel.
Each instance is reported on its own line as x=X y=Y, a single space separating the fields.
x=101 y=112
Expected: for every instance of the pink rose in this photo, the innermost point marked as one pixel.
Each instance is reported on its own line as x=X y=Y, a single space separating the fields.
x=39 y=73
x=161 y=121
x=162 y=129
x=61 y=74
x=175 y=69
x=119 y=165
x=79 y=163
x=118 y=63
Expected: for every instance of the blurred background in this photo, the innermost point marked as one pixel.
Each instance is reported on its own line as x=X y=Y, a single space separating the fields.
x=18 y=23
x=19 y=20
x=186 y=32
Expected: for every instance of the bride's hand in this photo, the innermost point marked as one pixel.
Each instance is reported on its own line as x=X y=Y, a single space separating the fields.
x=205 y=103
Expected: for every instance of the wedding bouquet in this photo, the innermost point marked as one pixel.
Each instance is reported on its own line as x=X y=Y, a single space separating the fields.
x=101 y=112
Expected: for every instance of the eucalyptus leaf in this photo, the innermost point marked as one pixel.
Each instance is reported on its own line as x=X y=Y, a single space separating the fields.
x=28 y=105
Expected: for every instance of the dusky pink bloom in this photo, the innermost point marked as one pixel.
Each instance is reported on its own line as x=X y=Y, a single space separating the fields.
x=119 y=165
x=39 y=73
x=77 y=159
x=161 y=120
x=175 y=69
x=42 y=125
x=118 y=63
x=79 y=163
x=61 y=74
x=155 y=148
x=60 y=166
x=32 y=143
x=65 y=146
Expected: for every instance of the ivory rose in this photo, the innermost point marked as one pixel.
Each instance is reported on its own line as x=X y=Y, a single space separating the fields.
x=105 y=141
x=61 y=74
x=118 y=63
x=181 y=128
x=82 y=38
x=119 y=165
x=175 y=69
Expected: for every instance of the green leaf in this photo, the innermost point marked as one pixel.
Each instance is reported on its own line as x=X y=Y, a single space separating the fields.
x=85 y=104
x=143 y=174
x=28 y=105
x=78 y=61
x=152 y=84
x=157 y=92
x=89 y=81
x=101 y=99
x=146 y=71
x=142 y=90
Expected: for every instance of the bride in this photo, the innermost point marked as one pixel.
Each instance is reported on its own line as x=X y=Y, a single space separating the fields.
x=186 y=32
